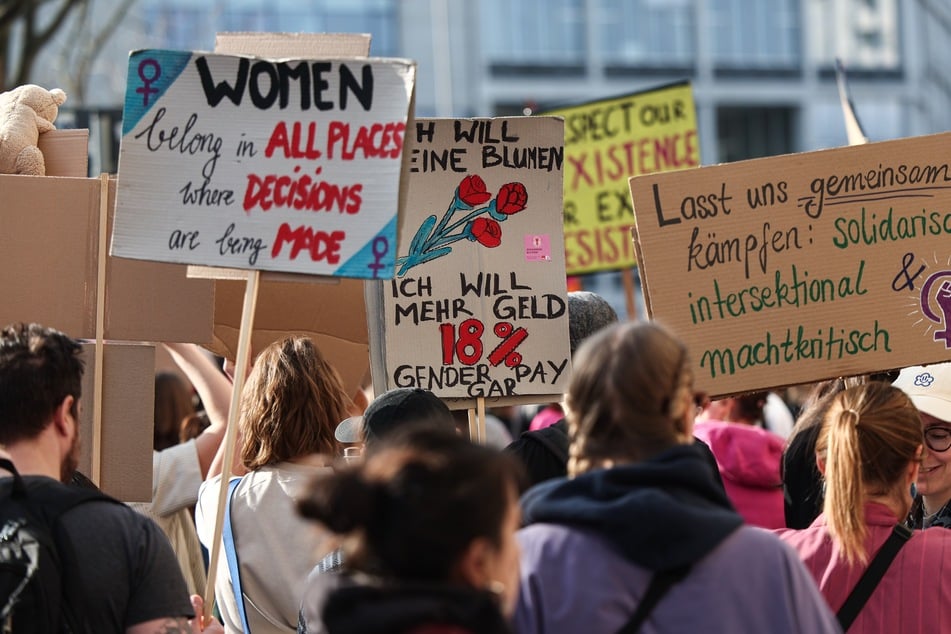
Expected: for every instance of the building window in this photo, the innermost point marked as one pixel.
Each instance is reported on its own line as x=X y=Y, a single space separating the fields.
x=179 y=28
x=760 y=35
x=646 y=33
x=747 y=133
x=863 y=34
x=181 y=24
x=533 y=32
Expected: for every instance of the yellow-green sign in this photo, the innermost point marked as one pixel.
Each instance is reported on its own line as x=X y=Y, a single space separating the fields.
x=606 y=142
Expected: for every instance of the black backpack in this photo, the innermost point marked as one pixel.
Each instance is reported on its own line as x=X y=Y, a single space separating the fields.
x=31 y=580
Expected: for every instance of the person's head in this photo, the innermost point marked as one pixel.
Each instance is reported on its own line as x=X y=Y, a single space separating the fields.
x=630 y=396
x=428 y=506
x=40 y=384
x=868 y=448
x=173 y=403
x=394 y=410
x=587 y=314
x=290 y=404
x=193 y=425
x=930 y=390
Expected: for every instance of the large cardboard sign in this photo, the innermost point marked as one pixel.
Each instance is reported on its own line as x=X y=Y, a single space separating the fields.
x=128 y=398
x=798 y=268
x=331 y=311
x=252 y=163
x=333 y=314
x=606 y=142
x=478 y=305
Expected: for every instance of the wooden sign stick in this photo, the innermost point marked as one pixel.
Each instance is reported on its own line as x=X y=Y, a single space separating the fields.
x=480 y=409
x=241 y=365
x=96 y=453
x=628 y=276
x=473 y=425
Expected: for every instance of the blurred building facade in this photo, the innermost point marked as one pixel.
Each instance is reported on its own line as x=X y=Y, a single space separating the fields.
x=762 y=70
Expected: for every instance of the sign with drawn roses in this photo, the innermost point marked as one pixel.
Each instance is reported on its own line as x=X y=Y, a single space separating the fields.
x=478 y=305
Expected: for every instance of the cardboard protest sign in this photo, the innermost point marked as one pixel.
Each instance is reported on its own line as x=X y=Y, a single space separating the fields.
x=478 y=305
x=333 y=314
x=279 y=165
x=606 y=142
x=330 y=311
x=798 y=268
x=128 y=413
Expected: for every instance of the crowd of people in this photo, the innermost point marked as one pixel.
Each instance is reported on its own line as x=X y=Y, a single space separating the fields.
x=635 y=504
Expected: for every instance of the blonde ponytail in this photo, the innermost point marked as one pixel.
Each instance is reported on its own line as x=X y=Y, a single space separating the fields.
x=844 y=498
x=870 y=435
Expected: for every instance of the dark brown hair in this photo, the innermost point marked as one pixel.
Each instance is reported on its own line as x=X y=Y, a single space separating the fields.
x=173 y=403
x=411 y=510
x=39 y=367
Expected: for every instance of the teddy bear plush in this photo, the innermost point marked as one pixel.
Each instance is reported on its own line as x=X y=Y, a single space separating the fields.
x=25 y=112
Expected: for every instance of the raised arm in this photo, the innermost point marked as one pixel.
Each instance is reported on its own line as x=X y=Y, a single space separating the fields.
x=214 y=388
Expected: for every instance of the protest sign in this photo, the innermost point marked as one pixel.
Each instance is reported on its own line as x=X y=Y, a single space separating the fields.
x=478 y=305
x=243 y=162
x=606 y=142
x=793 y=269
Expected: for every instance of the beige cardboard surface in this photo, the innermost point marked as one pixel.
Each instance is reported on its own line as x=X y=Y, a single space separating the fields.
x=127 y=413
x=332 y=314
x=65 y=152
x=50 y=241
x=798 y=268
x=330 y=311
x=606 y=142
x=478 y=307
x=278 y=45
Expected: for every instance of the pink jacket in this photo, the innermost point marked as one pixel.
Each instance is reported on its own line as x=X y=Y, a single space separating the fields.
x=748 y=458
x=913 y=596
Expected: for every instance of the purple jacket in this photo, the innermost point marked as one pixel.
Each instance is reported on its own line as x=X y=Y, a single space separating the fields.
x=594 y=541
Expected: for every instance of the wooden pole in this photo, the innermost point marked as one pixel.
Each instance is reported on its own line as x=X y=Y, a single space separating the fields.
x=480 y=409
x=96 y=453
x=473 y=425
x=628 y=276
x=241 y=366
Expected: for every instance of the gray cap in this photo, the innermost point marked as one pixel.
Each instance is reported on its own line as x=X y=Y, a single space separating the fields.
x=587 y=313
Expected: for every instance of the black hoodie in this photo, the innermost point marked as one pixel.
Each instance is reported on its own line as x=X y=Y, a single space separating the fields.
x=661 y=514
x=360 y=604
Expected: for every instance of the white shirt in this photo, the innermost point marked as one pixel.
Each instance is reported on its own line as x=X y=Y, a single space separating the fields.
x=276 y=547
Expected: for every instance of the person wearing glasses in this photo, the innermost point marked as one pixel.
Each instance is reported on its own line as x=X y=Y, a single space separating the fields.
x=929 y=388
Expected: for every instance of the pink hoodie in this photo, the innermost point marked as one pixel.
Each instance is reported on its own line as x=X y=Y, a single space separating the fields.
x=748 y=458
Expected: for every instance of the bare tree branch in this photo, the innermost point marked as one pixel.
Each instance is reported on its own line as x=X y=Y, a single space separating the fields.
x=92 y=51
x=33 y=39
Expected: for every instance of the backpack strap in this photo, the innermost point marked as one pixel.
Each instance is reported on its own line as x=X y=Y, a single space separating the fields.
x=872 y=575
x=46 y=502
x=660 y=583
x=19 y=487
x=227 y=537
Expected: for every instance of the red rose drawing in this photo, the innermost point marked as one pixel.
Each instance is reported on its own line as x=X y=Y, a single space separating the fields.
x=512 y=198
x=472 y=191
x=487 y=231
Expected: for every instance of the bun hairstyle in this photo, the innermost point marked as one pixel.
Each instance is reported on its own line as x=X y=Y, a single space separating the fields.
x=870 y=434
x=631 y=391
x=417 y=502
